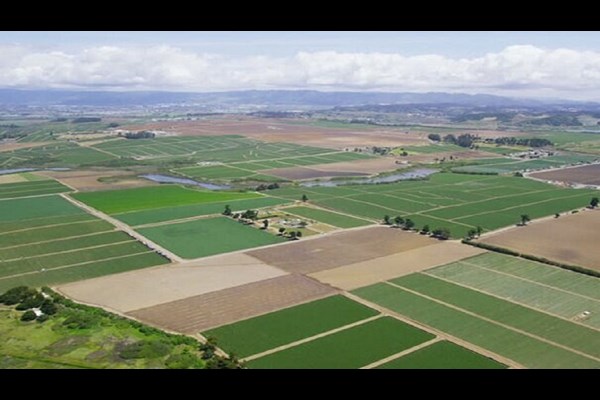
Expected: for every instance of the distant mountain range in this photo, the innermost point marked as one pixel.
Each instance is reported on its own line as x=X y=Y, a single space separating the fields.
x=306 y=98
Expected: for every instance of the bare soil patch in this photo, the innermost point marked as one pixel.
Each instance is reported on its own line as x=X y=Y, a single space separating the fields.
x=570 y=239
x=368 y=166
x=18 y=145
x=281 y=130
x=87 y=180
x=586 y=175
x=151 y=286
x=350 y=277
x=198 y=313
x=298 y=173
x=343 y=248
x=12 y=178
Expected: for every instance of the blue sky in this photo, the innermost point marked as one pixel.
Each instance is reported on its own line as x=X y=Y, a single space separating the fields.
x=520 y=64
x=451 y=44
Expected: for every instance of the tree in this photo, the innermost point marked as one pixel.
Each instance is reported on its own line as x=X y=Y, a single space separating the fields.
x=250 y=214
x=298 y=234
x=265 y=223
x=398 y=220
x=28 y=316
x=434 y=137
x=479 y=230
x=525 y=219
x=594 y=202
x=227 y=210
x=386 y=220
x=450 y=139
x=281 y=231
x=293 y=235
x=425 y=230
x=441 y=233
x=556 y=215
x=304 y=198
x=409 y=224
x=471 y=233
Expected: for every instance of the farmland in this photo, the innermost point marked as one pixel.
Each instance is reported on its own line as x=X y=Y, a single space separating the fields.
x=31 y=188
x=121 y=201
x=47 y=240
x=569 y=239
x=585 y=175
x=206 y=237
x=339 y=220
x=455 y=201
x=497 y=316
x=504 y=166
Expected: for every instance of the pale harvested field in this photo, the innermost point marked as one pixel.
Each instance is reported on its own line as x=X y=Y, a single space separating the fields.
x=12 y=178
x=353 y=276
x=88 y=180
x=17 y=145
x=152 y=286
x=298 y=173
x=274 y=130
x=369 y=166
x=198 y=313
x=587 y=175
x=343 y=248
x=456 y=155
x=571 y=239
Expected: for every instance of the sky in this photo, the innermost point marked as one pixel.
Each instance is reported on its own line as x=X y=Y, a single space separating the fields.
x=516 y=64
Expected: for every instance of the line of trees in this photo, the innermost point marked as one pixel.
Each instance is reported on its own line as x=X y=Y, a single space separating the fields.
x=408 y=224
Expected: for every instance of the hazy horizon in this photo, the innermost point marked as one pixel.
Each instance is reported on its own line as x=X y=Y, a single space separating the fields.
x=560 y=65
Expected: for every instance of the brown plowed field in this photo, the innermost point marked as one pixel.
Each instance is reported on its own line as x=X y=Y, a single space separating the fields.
x=205 y=311
x=88 y=180
x=571 y=239
x=368 y=166
x=350 y=277
x=586 y=174
x=297 y=173
x=343 y=248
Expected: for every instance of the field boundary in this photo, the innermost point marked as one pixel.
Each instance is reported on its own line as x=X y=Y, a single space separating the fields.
x=402 y=353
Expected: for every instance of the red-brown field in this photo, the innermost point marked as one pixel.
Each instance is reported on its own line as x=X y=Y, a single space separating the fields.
x=570 y=239
x=198 y=313
x=89 y=180
x=343 y=248
x=586 y=175
x=298 y=173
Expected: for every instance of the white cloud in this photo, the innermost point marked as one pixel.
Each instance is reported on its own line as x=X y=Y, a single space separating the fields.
x=521 y=69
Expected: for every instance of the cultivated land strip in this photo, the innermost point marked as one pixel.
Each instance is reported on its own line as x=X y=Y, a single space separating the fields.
x=510 y=300
x=122 y=226
x=512 y=328
x=437 y=332
x=311 y=338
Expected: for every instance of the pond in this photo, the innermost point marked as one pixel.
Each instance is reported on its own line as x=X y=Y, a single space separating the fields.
x=414 y=174
x=172 y=179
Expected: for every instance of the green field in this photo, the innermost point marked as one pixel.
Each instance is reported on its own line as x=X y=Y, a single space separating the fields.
x=554 y=329
x=57 y=154
x=351 y=348
x=120 y=201
x=47 y=240
x=443 y=355
x=173 y=213
x=553 y=290
x=505 y=167
x=31 y=188
x=17 y=210
x=255 y=335
x=335 y=219
x=456 y=201
x=205 y=237
x=505 y=341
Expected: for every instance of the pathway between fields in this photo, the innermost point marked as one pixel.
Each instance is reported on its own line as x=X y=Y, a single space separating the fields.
x=124 y=227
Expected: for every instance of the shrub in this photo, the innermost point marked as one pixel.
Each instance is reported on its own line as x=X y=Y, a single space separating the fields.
x=80 y=320
x=145 y=349
x=48 y=307
x=28 y=316
x=16 y=295
x=31 y=302
x=183 y=361
x=42 y=318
